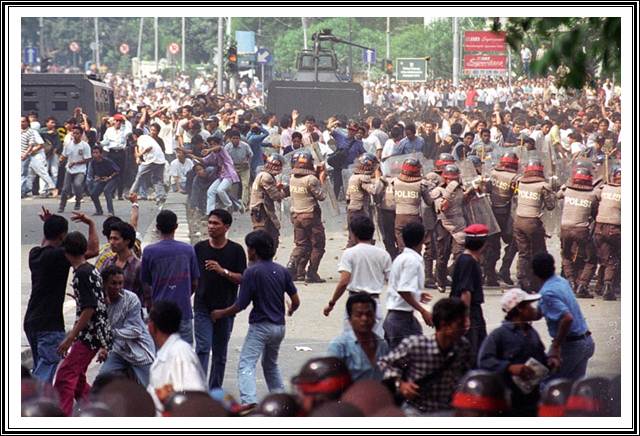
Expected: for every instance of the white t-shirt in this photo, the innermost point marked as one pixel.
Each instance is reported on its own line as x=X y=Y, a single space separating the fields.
x=371 y=143
x=368 y=265
x=179 y=169
x=577 y=147
x=407 y=275
x=167 y=134
x=76 y=153
x=387 y=150
x=153 y=156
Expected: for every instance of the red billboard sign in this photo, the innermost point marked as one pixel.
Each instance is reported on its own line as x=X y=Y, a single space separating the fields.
x=485 y=62
x=484 y=41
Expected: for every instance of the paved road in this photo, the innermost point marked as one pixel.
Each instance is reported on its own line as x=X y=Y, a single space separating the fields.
x=310 y=328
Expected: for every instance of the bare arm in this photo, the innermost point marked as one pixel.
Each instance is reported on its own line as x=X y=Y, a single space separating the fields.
x=345 y=278
x=411 y=300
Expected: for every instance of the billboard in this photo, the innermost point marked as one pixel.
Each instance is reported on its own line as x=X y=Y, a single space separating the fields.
x=485 y=41
x=411 y=69
x=485 y=62
x=246 y=42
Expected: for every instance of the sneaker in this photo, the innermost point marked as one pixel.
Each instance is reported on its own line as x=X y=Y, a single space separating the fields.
x=100 y=213
x=442 y=289
x=77 y=206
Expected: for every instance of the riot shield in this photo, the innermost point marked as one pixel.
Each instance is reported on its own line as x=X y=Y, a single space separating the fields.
x=392 y=166
x=564 y=167
x=477 y=210
x=346 y=175
x=468 y=172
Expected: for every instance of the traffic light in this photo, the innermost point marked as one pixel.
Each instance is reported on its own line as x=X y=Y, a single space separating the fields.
x=45 y=63
x=388 y=66
x=232 y=59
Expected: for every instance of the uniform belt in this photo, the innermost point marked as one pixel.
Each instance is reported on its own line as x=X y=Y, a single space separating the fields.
x=577 y=337
x=372 y=295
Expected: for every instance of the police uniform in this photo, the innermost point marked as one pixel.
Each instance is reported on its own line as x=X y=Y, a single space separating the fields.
x=429 y=219
x=360 y=188
x=501 y=188
x=577 y=249
x=448 y=201
x=534 y=194
x=264 y=192
x=386 y=208
x=607 y=234
x=308 y=230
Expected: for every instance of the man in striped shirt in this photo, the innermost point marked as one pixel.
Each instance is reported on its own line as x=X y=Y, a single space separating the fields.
x=34 y=161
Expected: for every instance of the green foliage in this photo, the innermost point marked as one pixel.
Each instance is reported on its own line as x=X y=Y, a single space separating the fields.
x=576 y=49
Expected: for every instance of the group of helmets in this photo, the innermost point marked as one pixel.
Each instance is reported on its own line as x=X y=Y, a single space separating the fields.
x=482 y=392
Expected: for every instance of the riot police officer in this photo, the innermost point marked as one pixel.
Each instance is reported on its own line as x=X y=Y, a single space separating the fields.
x=360 y=188
x=264 y=192
x=409 y=190
x=308 y=230
x=534 y=195
x=578 y=213
x=386 y=209
x=320 y=380
x=448 y=200
x=607 y=230
x=429 y=218
x=481 y=393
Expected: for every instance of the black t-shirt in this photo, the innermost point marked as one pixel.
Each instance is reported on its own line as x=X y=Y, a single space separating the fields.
x=49 y=273
x=216 y=291
x=467 y=276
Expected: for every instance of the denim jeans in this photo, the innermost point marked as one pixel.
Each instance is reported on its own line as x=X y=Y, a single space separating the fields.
x=212 y=338
x=575 y=357
x=108 y=188
x=186 y=330
x=263 y=339
x=25 y=183
x=44 y=350
x=156 y=173
x=219 y=187
x=71 y=378
x=75 y=182
x=115 y=364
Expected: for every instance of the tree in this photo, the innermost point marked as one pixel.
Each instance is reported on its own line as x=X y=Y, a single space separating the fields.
x=577 y=49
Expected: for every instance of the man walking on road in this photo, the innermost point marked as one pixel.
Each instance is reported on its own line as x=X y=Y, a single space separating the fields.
x=221 y=263
x=171 y=269
x=572 y=345
x=363 y=268
x=405 y=291
x=263 y=284
x=44 y=319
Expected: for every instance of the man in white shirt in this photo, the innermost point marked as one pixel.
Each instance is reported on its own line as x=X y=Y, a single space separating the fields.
x=77 y=154
x=34 y=160
x=176 y=367
x=370 y=142
x=152 y=164
x=525 y=55
x=114 y=142
x=405 y=290
x=363 y=268
x=178 y=170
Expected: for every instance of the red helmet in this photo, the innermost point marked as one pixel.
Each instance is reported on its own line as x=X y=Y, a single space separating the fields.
x=481 y=391
x=509 y=161
x=588 y=397
x=582 y=176
x=328 y=376
x=443 y=160
x=451 y=172
x=534 y=168
x=411 y=170
x=554 y=397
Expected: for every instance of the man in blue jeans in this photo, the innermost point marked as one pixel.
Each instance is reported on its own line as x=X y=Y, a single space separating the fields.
x=171 y=269
x=264 y=284
x=44 y=320
x=103 y=173
x=572 y=345
x=221 y=263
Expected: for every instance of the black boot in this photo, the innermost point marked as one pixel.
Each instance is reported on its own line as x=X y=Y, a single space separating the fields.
x=583 y=292
x=293 y=271
x=313 y=277
x=491 y=279
x=429 y=279
x=609 y=294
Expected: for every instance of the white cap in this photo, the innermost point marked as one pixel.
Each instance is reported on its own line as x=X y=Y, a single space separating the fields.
x=514 y=296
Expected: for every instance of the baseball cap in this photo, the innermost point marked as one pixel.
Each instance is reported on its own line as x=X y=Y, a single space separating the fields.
x=118 y=117
x=514 y=296
x=477 y=230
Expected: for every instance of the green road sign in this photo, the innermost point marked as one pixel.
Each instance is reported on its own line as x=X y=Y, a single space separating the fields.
x=411 y=69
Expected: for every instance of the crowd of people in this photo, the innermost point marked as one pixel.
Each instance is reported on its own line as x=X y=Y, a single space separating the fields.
x=443 y=173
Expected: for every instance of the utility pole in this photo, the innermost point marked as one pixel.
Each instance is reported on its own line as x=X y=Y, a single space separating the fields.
x=140 y=38
x=229 y=27
x=184 y=48
x=220 y=48
x=304 y=31
x=456 y=53
x=350 y=50
x=95 y=22
x=155 y=23
x=42 y=54
x=388 y=45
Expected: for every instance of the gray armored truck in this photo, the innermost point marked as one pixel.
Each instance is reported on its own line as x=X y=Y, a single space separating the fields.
x=58 y=95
